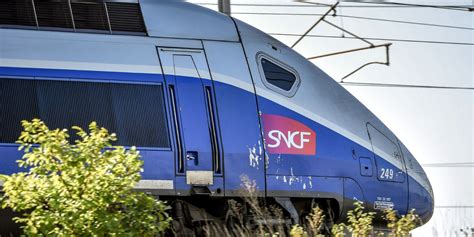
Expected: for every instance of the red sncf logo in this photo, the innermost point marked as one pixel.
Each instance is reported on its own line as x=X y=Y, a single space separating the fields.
x=287 y=136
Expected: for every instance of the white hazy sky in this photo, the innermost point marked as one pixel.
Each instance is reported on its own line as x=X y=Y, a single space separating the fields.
x=437 y=125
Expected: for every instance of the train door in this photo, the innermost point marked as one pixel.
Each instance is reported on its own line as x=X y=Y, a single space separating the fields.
x=244 y=155
x=390 y=171
x=194 y=118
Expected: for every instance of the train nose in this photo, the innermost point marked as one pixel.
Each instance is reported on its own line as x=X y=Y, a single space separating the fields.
x=422 y=198
x=429 y=202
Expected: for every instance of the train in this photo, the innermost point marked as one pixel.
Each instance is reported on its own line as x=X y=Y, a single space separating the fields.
x=207 y=99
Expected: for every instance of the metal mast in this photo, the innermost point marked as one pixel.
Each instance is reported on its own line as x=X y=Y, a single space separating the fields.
x=224 y=6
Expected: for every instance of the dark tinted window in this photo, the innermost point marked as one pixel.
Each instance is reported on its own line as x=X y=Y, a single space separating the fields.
x=277 y=75
x=17 y=102
x=125 y=17
x=110 y=16
x=53 y=14
x=90 y=15
x=134 y=112
x=17 y=12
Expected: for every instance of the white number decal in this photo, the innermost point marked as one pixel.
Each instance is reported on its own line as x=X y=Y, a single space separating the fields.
x=386 y=173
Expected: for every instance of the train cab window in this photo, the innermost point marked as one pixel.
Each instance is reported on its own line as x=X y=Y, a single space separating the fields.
x=135 y=112
x=278 y=76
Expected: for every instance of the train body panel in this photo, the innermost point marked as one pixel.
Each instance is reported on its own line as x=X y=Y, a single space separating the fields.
x=225 y=101
x=165 y=19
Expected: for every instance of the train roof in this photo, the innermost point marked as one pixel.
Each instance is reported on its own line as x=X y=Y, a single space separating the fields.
x=177 y=19
x=153 y=18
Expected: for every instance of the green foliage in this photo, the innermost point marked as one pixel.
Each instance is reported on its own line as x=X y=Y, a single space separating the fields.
x=298 y=231
x=338 y=230
x=315 y=221
x=401 y=226
x=360 y=222
x=81 y=189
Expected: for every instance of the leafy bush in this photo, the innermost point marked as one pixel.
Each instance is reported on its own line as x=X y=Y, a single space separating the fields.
x=360 y=223
x=401 y=226
x=315 y=221
x=298 y=231
x=81 y=189
x=313 y=227
x=338 y=230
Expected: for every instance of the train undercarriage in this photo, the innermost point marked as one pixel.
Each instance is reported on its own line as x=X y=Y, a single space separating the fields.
x=245 y=216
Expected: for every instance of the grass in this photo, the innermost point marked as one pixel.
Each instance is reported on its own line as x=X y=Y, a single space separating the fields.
x=252 y=216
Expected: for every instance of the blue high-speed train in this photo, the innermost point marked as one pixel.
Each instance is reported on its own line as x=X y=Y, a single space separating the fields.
x=207 y=99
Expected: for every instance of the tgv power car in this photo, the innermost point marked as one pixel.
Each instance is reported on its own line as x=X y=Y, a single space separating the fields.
x=207 y=99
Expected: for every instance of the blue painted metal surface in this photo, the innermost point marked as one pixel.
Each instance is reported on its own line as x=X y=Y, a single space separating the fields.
x=286 y=175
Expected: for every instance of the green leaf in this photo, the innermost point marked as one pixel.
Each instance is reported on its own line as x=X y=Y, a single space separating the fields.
x=81 y=189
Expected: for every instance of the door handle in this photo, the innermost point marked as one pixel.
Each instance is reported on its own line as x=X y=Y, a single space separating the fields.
x=192 y=156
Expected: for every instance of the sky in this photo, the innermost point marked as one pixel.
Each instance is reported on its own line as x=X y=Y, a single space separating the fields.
x=437 y=125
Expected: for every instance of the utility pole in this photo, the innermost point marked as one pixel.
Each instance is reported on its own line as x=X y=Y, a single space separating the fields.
x=224 y=6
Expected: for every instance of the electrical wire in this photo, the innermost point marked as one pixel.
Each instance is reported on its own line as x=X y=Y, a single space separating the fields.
x=454 y=207
x=316 y=6
x=455 y=8
x=354 y=17
x=373 y=38
x=374 y=84
x=447 y=165
x=348 y=16
x=463 y=8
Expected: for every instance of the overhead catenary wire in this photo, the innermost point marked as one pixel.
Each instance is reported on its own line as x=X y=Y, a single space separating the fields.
x=355 y=17
x=364 y=18
x=454 y=207
x=332 y=8
x=374 y=38
x=394 y=85
x=316 y=6
x=452 y=165
x=454 y=8
x=306 y=34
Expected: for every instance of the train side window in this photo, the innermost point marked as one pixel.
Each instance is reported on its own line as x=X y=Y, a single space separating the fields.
x=278 y=76
x=135 y=112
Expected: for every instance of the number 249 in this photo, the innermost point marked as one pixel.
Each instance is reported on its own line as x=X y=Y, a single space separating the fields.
x=386 y=173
